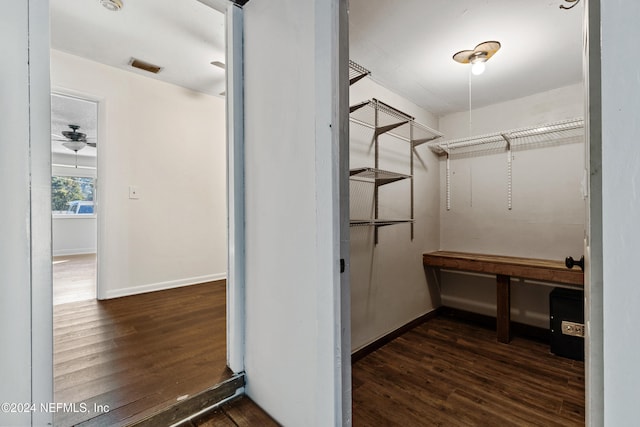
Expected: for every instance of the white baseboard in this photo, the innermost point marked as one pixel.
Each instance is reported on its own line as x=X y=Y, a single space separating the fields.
x=161 y=286
x=80 y=251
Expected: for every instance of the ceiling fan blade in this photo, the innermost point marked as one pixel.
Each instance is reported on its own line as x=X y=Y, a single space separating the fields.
x=91 y=144
x=491 y=47
x=463 y=56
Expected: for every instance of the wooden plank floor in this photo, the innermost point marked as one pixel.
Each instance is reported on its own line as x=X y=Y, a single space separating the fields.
x=449 y=373
x=74 y=278
x=241 y=412
x=138 y=354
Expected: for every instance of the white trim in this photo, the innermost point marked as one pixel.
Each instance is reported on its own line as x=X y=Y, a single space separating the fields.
x=98 y=174
x=59 y=169
x=40 y=209
x=235 y=191
x=341 y=127
x=75 y=251
x=73 y=216
x=330 y=113
x=593 y=243
x=161 y=286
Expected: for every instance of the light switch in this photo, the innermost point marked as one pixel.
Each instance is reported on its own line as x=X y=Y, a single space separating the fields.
x=134 y=192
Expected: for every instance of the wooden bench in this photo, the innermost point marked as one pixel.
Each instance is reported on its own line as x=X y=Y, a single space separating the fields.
x=505 y=267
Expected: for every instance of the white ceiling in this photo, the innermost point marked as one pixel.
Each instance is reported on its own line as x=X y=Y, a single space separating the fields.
x=407 y=44
x=182 y=36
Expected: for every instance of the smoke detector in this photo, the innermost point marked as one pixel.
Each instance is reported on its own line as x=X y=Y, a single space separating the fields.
x=112 y=5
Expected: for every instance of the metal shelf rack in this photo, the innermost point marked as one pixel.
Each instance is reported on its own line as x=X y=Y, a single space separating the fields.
x=384 y=119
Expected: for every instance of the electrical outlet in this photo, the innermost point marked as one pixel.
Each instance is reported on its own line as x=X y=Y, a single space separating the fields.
x=134 y=192
x=572 y=328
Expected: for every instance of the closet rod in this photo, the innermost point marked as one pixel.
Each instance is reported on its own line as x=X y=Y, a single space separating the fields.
x=522 y=136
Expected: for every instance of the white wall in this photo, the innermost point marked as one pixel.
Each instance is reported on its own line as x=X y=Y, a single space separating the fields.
x=292 y=333
x=15 y=304
x=548 y=213
x=388 y=283
x=620 y=207
x=73 y=234
x=26 y=366
x=170 y=143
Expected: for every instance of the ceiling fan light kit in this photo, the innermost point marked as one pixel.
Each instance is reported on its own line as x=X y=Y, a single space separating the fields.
x=112 y=5
x=74 y=135
x=478 y=56
x=75 y=140
x=74 y=145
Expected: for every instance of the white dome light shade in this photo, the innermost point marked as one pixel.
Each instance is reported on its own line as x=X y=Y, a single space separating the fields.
x=75 y=145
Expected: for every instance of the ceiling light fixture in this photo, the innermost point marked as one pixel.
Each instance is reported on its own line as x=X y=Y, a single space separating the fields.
x=478 y=61
x=478 y=56
x=75 y=145
x=112 y=5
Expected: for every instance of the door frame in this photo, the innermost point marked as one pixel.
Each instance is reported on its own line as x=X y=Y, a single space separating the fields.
x=593 y=283
x=37 y=343
x=101 y=230
x=235 y=189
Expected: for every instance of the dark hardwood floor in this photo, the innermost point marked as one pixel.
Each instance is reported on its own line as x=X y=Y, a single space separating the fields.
x=449 y=373
x=137 y=355
x=241 y=412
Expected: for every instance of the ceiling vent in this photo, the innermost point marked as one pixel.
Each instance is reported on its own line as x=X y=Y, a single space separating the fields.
x=136 y=63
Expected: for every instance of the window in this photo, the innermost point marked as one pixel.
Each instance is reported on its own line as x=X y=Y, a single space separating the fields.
x=72 y=195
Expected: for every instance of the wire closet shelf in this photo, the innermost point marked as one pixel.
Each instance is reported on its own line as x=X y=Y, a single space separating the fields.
x=392 y=122
x=556 y=133
x=566 y=131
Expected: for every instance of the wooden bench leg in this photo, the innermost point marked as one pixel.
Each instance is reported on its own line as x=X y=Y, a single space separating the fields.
x=503 y=315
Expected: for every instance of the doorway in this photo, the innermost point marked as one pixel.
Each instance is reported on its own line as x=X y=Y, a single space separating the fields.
x=74 y=125
x=160 y=305
x=467 y=200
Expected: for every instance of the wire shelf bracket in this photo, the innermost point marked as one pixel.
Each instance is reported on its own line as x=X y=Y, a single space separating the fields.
x=357 y=72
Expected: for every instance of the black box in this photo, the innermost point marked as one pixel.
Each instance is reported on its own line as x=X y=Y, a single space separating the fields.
x=567 y=305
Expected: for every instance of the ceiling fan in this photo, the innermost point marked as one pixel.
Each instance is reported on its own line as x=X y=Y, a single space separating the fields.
x=74 y=140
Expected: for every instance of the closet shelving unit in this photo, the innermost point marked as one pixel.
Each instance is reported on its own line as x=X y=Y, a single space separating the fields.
x=357 y=72
x=566 y=131
x=384 y=119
